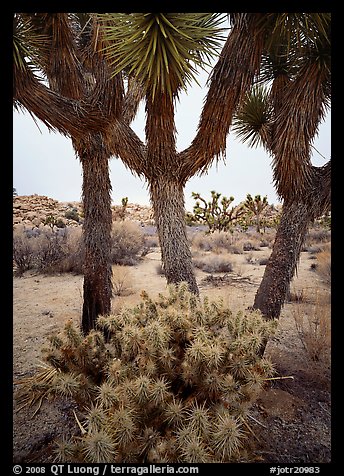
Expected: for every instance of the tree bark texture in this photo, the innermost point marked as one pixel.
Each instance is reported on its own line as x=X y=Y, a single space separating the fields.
x=96 y=188
x=279 y=271
x=168 y=204
x=297 y=215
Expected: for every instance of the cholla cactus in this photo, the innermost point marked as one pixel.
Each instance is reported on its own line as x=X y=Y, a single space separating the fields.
x=173 y=382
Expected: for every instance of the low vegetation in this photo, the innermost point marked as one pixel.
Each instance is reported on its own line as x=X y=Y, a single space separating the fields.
x=173 y=382
x=313 y=323
x=60 y=250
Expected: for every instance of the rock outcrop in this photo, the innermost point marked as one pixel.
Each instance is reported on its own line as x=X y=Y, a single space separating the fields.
x=39 y=211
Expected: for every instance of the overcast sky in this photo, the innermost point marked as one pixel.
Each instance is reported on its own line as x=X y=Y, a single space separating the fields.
x=44 y=163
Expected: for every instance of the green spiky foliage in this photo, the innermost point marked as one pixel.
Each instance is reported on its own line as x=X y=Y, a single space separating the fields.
x=216 y=214
x=161 y=50
x=173 y=382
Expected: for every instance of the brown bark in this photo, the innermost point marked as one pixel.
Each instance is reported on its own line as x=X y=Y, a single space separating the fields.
x=282 y=264
x=166 y=190
x=297 y=215
x=94 y=157
x=168 y=203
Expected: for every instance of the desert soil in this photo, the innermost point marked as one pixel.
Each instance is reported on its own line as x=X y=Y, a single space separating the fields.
x=290 y=422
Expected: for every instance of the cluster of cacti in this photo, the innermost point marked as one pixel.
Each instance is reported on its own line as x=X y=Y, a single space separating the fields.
x=218 y=216
x=172 y=381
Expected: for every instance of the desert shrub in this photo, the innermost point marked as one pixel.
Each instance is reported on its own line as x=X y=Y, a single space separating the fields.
x=23 y=252
x=150 y=238
x=313 y=323
x=263 y=261
x=72 y=214
x=214 y=263
x=316 y=235
x=173 y=383
x=53 y=222
x=48 y=251
x=296 y=296
x=127 y=243
x=251 y=245
x=121 y=281
x=267 y=239
x=217 y=242
x=323 y=265
x=73 y=260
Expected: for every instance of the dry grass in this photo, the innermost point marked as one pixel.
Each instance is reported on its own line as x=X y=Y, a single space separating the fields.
x=121 y=281
x=48 y=251
x=323 y=264
x=213 y=263
x=313 y=324
x=127 y=243
x=217 y=242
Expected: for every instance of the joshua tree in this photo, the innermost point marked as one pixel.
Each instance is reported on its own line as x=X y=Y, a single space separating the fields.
x=83 y=57
x=256 y=205
x=159 y=51
x=285 y=46
x=217 y=217
x=285 y=120
x=82 y=102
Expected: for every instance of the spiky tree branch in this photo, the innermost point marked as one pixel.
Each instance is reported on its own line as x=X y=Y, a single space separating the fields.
x=231 y=78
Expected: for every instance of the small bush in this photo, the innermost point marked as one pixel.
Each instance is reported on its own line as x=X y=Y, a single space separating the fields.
x=48 y=251
x=72 y=214
x=323 y=265
x=214 y=264
x=23 y=252
x=296 y=296
x=127 y=243
x=51 y=250
x=251 y=246
x=173 y=383
x=121 y=281
x=317 y=235
x=263 y=261
x=313 y=323
x=217 y=242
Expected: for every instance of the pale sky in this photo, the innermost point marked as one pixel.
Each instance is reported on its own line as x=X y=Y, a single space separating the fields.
x=44 y=163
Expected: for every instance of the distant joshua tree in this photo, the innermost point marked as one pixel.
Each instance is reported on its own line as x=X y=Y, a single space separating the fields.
x=256 y=206
x=217 y=216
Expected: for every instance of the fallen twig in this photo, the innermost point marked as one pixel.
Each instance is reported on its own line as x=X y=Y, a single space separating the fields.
x=280 y=378
x=255 y=420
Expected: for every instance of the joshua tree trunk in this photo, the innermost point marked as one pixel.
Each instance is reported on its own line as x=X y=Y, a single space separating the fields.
x=168 y=203
x=279 y=271
x=96 y=187
x=296 y=217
